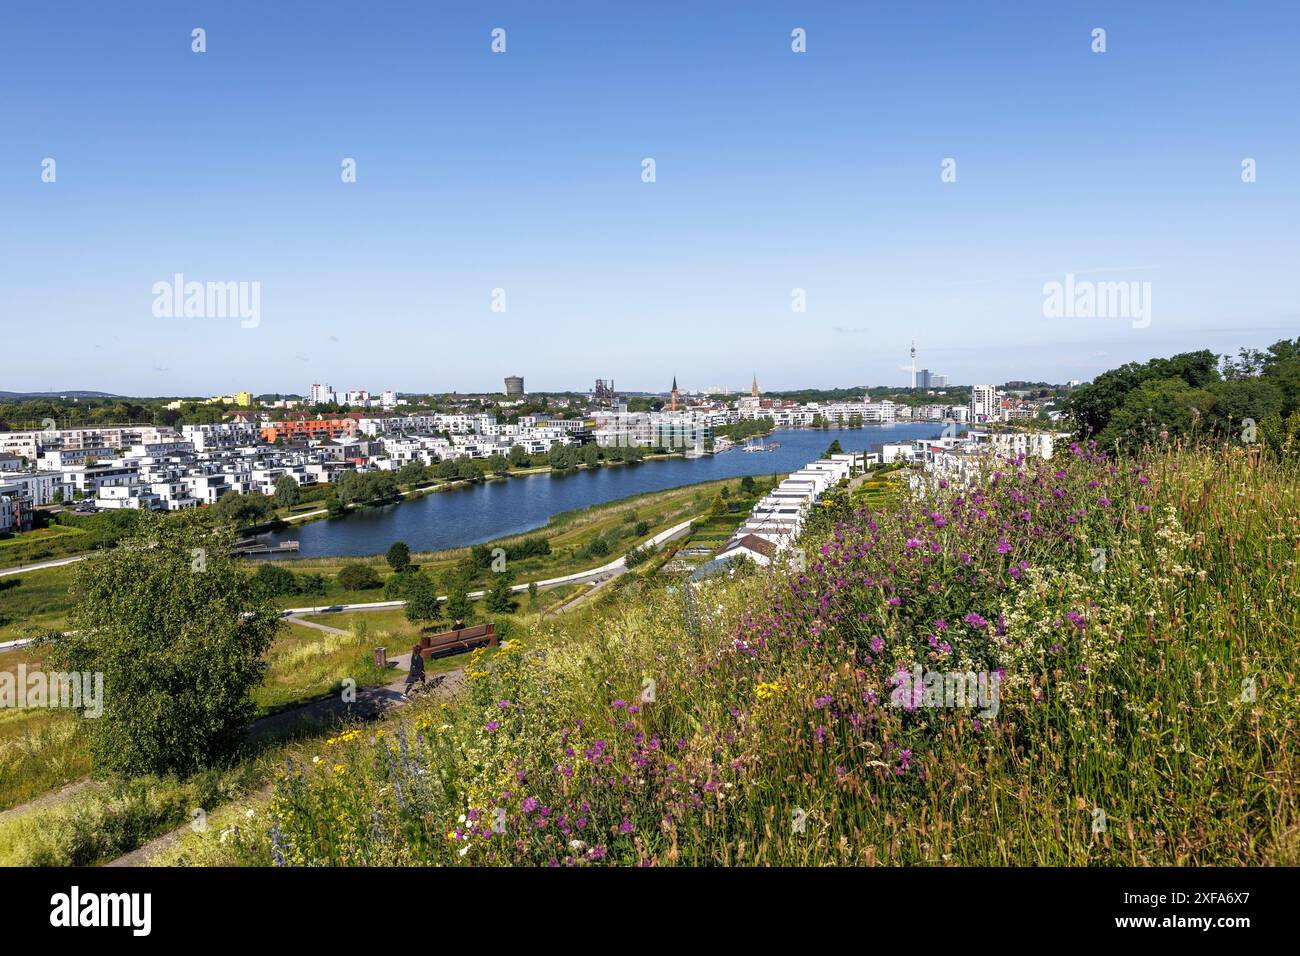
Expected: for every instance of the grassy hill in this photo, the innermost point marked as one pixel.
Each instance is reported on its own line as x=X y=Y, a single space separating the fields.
x=1136 y=618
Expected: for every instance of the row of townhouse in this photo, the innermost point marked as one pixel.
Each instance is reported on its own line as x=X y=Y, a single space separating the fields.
x=777 y=519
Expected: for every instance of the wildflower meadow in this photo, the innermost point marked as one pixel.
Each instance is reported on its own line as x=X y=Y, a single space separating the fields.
x=1081 y=661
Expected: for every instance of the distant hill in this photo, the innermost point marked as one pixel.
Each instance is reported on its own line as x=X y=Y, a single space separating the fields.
x=71 y=393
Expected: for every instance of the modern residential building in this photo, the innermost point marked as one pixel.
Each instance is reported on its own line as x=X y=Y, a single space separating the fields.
x=983 y=403
x=296 y=428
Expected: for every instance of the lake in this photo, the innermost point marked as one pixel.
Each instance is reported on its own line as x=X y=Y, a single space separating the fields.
x=495 y=509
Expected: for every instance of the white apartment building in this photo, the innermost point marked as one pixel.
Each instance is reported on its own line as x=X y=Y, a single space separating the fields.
x=223 y=436
x=983 y=403
x=39 y=486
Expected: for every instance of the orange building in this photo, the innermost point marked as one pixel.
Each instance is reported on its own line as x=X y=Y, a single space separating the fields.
x=292 y=429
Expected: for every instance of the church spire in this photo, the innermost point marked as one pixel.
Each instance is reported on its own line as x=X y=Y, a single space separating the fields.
x=753 y=389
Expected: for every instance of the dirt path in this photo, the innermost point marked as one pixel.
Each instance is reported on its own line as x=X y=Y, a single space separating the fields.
x=293 y=619
x=53 y=798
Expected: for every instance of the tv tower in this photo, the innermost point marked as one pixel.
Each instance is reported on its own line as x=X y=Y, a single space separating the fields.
x=913 y=363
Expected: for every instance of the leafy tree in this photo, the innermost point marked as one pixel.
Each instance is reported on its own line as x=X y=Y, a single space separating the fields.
x=498 y=464
x=237 y=510
x=312 y=584
x=562 y=457
x=1092 y=405
x=273 y=579
x=499 y=598
x=413 y=473
x=399 y=556
x=591 y=456
x=747 y=484
x=1238 y=399
x=286 y=491
x=170 y=621
x=355 y=576
x=335 y=507
x=1166 y=405
x=519 y=456
x=532 y=594
x=459 y=607
x=422 y=599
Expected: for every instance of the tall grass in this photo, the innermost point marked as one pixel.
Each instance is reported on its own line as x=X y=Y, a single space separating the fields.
x=1140 y=616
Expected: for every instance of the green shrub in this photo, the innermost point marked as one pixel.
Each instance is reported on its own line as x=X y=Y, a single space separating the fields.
x=356 y=576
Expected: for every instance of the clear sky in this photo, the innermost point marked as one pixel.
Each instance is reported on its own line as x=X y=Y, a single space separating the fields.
x=523 y=171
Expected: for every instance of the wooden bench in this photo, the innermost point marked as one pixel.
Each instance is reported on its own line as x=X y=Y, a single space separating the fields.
x=458 y=641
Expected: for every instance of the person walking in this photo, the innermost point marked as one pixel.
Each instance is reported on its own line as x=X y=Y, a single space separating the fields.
x=416 y=673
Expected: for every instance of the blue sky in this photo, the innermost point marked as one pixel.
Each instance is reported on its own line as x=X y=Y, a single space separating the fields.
x=522 y=171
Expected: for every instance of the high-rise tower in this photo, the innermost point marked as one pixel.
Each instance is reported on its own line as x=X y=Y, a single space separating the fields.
x=914 y=363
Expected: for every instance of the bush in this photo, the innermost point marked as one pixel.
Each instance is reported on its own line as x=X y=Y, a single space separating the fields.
x=356 y=576
x=273 y=579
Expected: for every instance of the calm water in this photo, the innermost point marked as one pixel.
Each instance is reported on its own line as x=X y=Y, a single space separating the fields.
x=452 y=519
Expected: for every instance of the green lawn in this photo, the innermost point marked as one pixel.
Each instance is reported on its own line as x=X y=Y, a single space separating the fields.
x=43 y=544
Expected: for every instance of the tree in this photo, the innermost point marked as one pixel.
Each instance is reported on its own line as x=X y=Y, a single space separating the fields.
x=747 y=484
x=273 y=579
x=717 y=506
x=237 y=510
x=286 y=491
x=456 y=584
x=591 y=456
x=532 y=594
x=355 y=576
x=335 y=507
x=413 y=473
x=499 y=598
x=1092 y=405
x=422 y=599
x=835 y=449
x=519 y=456
x=399 y=556
x=170 y=621
x=459 y=607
